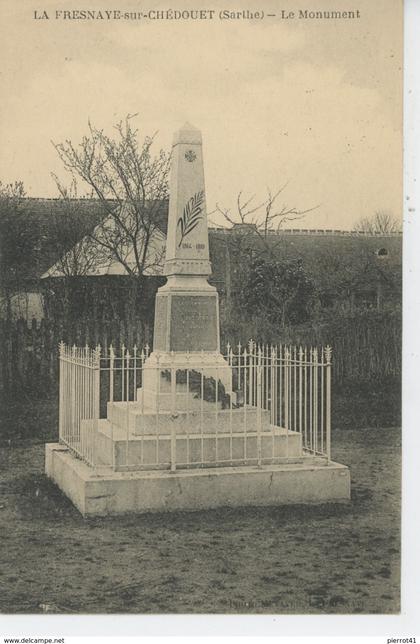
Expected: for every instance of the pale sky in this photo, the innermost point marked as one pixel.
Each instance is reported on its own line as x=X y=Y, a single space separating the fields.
x=315 y=103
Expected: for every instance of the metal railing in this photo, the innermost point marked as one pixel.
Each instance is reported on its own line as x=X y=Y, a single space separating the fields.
x=79 y=398
x=259 y=404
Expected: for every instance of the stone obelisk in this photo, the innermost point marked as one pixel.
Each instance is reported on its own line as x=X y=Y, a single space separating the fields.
x=187 y=309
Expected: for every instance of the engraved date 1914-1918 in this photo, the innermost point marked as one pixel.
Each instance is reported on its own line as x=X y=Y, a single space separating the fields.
x=197 y=246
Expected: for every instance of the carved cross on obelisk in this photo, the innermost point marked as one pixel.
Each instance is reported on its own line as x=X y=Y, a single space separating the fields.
x=187 y=310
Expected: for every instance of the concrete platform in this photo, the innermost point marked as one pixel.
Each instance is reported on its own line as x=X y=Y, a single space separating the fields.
x=102 y=492
x=114 y=447
x=143 y=421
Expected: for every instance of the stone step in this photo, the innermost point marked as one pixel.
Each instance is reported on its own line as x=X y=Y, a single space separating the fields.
x=116 y=449
x=144 y=421
x=184 y=400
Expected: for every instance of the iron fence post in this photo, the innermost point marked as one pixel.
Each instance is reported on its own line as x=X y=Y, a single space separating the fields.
x=328 y=352
x=259 y=415
x=61 y=349
x=97 y=400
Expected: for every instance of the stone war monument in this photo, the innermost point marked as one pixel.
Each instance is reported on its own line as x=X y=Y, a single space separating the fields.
x=187 y=307
x=186 y=315
x=186 y=427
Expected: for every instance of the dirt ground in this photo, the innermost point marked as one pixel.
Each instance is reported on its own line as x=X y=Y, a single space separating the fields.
x=325 y=559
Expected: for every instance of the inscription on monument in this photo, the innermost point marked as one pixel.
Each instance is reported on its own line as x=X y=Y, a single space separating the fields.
x=193 y=323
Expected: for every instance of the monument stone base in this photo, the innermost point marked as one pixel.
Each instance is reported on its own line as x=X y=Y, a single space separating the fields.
x=160 y=368
x=102 y=492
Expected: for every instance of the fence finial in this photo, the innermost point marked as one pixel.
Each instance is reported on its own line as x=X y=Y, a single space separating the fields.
x=97 y=354
x=328 y=352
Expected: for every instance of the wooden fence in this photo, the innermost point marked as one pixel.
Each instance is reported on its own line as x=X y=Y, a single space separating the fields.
x=29 y=352
x=364 y=347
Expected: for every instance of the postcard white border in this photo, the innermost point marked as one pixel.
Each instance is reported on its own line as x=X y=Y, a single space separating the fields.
x=364 y=626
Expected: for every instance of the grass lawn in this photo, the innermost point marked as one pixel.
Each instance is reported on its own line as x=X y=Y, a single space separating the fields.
x=324 y=559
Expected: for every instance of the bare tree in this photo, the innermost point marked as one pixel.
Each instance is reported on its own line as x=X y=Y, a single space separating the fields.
x=254 y=223
x=261 y=219
x=131 y=183
x=78 y=255
x=381 y=222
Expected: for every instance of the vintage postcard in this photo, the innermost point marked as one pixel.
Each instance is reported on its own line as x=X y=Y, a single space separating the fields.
x=201 y=307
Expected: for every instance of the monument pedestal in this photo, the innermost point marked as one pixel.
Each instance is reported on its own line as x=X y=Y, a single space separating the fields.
x=186 y=316
x=186 y=344
x=177 y=381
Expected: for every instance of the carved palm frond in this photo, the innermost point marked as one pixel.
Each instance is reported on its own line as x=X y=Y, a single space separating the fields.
x=192 y=215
